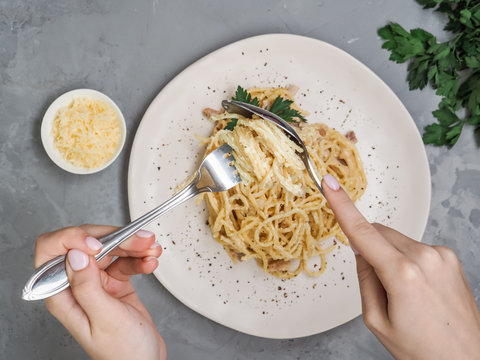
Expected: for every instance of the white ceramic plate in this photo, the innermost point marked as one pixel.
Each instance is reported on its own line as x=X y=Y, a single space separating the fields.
x=336 y=89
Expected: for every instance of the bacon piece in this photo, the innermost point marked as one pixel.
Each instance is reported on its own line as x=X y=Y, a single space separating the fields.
x=278 y=265
x=292 y=89
x=208 y=112
x=351 y=136
x=342 y=161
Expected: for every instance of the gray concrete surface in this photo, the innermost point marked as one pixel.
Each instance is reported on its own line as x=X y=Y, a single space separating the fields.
x=130 y=50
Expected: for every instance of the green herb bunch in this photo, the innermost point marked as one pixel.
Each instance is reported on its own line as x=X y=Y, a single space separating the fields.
x=452 y=67
x=280 y=107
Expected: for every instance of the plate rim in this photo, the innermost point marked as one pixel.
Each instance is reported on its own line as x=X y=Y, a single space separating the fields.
x=212 y=54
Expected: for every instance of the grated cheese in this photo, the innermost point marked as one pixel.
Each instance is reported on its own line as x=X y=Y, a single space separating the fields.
x=87 y=132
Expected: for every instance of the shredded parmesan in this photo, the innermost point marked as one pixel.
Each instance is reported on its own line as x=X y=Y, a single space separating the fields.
x=87 y=132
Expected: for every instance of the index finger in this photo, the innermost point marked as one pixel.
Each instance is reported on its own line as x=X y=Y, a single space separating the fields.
x=59 y=242
x=369 y=243
x=136 y=245
x=50 y=245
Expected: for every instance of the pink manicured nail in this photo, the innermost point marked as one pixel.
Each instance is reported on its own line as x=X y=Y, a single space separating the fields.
x=148 y=258
x=354 y=250
x=331 y=182
x=78 y=259
x=93 y=243
x=144 y=233
x=154 y=245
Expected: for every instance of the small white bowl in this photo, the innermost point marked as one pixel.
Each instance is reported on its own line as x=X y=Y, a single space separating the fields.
x=47 y=122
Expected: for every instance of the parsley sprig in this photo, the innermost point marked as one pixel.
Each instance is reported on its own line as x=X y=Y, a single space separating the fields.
x=452 y=67
x=242 y=95
x=231 y=124
x=280 y=107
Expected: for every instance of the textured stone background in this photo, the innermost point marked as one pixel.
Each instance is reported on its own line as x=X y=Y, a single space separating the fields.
x=130 y=50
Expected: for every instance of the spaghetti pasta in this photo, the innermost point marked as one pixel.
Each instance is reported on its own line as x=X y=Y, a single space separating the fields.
x=277 y=215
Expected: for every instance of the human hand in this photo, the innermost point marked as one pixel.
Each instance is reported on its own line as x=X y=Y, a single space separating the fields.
x=415 y=297
x=101 y=309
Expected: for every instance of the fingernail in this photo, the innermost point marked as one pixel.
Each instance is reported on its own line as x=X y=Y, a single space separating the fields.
x=93 y=243
x=148 y=258
x=154 y=245
x=144 y=233
x=78 y=259
x=331 y=182
x=354 y=250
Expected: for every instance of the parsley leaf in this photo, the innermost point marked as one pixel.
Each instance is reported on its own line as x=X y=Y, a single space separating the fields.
x=231 y=124
x=242 y=95
x=434 y=134
x=452 y=67
x=281 y=107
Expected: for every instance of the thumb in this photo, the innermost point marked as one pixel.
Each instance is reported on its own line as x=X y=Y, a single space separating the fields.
x=86 y=284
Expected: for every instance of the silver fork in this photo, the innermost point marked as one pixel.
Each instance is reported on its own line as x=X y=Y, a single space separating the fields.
x=247 y=110
x=216 y=173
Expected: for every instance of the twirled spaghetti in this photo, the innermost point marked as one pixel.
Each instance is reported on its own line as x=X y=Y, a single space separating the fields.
x=277 y=215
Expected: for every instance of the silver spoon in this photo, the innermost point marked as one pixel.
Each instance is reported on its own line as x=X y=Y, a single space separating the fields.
x=216 y=173
x=245 y=109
